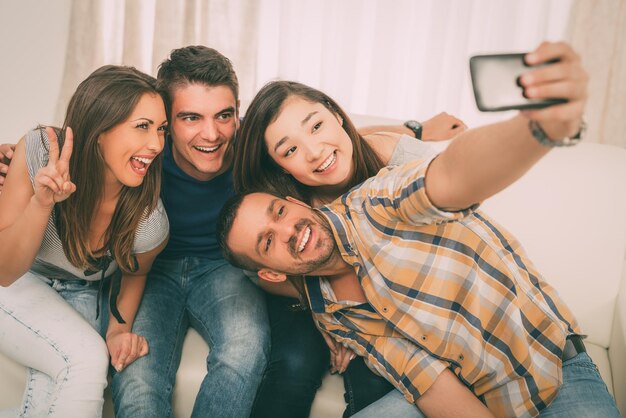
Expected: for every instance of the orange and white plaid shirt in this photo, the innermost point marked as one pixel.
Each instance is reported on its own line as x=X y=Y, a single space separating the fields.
x=445 y=290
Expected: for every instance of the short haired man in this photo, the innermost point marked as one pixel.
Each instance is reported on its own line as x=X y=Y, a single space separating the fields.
x=446 y=304
x=191 y=285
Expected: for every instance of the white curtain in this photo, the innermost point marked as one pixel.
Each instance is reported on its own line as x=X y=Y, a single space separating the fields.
x=142 y=33
x=598 y=31
x=400 y=59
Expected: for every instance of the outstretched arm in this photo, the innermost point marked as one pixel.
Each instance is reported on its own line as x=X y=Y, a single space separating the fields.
x=483 y=161
x=440 y=127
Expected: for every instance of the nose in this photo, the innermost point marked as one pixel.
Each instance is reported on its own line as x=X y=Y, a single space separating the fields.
x=209 y=131
x=285 y=230
x=155 y=144
x=313 y=151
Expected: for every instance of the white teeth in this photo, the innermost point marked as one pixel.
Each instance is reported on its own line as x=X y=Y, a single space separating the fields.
x=143 y=160
x=207 y=149
x=331 y=159
x=305 y=239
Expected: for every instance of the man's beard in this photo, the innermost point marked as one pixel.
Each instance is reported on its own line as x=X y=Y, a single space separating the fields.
x=326 y=241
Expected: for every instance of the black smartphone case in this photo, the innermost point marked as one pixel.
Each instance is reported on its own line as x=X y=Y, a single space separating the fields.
x=496 y=86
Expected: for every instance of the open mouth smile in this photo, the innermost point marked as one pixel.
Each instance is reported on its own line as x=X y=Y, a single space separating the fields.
x=327 y=163
x=305 y=239
x=207 y=150
x=140 y=164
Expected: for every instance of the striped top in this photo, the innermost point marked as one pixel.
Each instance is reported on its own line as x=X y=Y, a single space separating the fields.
x=51 y=261
x=445 y=290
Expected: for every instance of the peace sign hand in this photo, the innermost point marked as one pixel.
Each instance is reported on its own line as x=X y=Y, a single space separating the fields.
x=52 y=182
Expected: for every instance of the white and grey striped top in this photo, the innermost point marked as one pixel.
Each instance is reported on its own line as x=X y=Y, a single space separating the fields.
x=51 y=261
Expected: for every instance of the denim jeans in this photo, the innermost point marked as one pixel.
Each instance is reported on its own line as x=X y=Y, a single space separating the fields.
x=50 y=327
x=363 y=387
x=583 y=394
x=226 y=309
x=298 y=361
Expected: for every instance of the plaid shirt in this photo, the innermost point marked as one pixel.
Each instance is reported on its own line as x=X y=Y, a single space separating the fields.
x=445 y=290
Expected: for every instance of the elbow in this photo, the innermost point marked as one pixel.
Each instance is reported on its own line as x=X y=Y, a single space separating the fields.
x=9 y=276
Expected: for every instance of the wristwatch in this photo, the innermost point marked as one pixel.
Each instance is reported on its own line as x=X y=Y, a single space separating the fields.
x=415 y=126
x=540 y=135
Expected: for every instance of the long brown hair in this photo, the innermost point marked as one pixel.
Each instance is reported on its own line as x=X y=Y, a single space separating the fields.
x=255 y=170
x=103 y=100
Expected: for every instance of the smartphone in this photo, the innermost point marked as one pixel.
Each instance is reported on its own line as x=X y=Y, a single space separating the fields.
x=495 y=79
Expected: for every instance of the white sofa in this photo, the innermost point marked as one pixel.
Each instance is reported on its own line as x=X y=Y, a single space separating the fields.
x=569 y=212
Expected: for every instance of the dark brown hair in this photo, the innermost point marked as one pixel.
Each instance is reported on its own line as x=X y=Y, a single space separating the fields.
x=195 y=64
x=255 y=170
x=103 y=100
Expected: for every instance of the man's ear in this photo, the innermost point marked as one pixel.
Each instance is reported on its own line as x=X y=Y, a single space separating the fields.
x=297 y=202
x=271 y=275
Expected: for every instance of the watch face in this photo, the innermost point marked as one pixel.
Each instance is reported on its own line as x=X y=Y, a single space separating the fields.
x=413 y=124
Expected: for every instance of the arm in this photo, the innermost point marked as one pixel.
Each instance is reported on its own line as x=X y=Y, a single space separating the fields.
x=483 y=161
x=124 y=346
x=24 y=211
x=435 y=402
x=6 y=154
x=424 y=380
x=440 y=127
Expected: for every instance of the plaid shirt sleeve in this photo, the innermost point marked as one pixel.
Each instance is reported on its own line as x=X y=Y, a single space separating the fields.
x=399 y=193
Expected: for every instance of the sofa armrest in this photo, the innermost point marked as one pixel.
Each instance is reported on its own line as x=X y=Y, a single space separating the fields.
x=617 y=348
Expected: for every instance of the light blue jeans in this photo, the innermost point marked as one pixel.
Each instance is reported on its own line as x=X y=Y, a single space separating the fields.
x=226 y=309
x=50 y=326
x=582 y=395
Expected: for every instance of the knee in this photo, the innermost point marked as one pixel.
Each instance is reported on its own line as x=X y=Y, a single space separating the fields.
x=246 y=355
x=87 y=363
x=298 y=365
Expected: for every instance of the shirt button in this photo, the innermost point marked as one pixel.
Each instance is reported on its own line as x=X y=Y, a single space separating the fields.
x=424 y=338
x=385 y=309
x=461 y=357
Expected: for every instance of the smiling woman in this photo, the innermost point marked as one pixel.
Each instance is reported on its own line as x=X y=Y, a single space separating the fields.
x=81 y=206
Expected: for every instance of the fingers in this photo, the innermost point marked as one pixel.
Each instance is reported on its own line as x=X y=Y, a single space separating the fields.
x=549 y=51
x=330 y=343
x=340 y=361
x=127 y=347
x=566 y=78
x=53 y=152
x=562 y=89
x=68 y=145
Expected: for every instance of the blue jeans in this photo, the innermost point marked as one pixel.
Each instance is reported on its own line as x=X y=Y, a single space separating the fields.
x=226 y=309
x=50 y=326
x=583 y=394
x=298 y=361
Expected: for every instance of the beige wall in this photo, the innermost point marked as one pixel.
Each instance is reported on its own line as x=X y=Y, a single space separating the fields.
x=33 y=39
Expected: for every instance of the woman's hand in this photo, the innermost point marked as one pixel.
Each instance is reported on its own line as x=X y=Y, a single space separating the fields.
x=52 y=182
x=125 y=347
x=441 y=127
x=340 y=355
x=564 y=79
x=6 y=153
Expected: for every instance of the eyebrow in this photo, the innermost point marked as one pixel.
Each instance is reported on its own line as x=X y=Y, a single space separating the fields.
x=268 y=212
x=229 y=109
x=149 y=120
x=183 y=114
x=302 y=123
